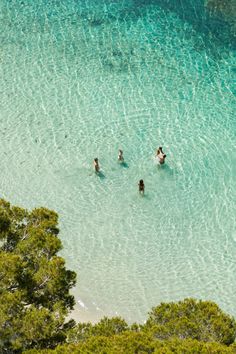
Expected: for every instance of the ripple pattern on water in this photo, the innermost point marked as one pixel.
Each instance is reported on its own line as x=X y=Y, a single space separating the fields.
x=81 y=79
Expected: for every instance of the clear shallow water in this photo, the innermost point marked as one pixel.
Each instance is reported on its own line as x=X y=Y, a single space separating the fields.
x=82 y=79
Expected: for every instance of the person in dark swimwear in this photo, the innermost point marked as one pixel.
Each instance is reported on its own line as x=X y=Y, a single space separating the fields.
x=160 y=155
x=141 y=186
x=96 y=165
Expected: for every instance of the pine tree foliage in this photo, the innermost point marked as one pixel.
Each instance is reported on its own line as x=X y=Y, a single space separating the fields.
x=34 y=283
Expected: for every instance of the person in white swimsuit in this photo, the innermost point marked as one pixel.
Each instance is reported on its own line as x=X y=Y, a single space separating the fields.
x=160 y=155
x=120 y=156
x=96 y=164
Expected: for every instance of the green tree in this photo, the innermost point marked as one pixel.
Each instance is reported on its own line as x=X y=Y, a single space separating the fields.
x=34 y=283
x=201 y=320
x=137 y=343
x=105 y=327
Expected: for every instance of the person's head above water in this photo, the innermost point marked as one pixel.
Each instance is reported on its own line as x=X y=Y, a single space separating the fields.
x=96 y=160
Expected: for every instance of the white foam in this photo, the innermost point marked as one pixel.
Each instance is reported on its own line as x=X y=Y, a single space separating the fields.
x=81 y=303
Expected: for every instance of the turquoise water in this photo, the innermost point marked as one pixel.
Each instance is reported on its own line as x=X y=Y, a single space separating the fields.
x=81 y=79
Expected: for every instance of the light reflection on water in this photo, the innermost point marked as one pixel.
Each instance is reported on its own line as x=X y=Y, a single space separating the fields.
x=81 y=80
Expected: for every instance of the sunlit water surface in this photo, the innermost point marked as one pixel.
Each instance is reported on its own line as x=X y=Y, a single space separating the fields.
x=81 y=79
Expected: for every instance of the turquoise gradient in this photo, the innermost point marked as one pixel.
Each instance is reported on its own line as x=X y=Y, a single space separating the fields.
x=81 y=79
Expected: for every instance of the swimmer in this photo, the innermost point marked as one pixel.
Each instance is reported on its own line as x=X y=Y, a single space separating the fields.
x=120 y=156
x=96 y=165
x=159 y=150
x=141 y=186
x=160 y=155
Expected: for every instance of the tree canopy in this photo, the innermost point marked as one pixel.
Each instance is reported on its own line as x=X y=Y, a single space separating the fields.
x=34 y=283
x=201 y=320
x=138 y=343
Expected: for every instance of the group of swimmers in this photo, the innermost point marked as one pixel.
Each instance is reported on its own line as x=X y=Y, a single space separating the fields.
x=160 y=156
